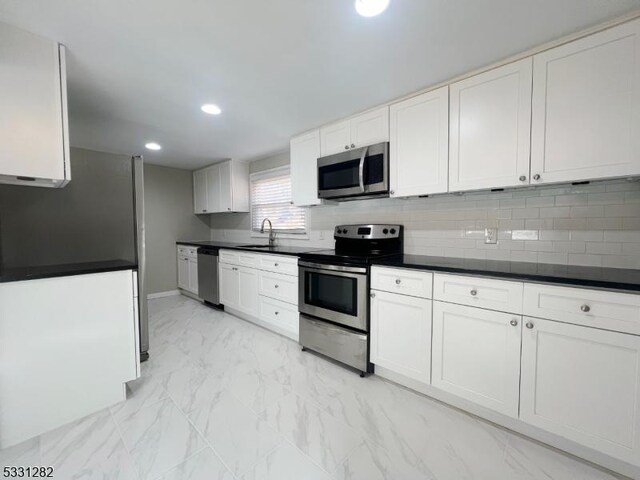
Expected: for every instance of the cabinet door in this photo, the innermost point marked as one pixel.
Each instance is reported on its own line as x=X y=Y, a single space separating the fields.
x=335 y=138
x=370 y=128
x=420 y=144
x=586 y=104
x=305 y=151
x=200 y=190
x=193 y=276
x=213 y=189
x=229 y=285
x=476 y=355
x=401 y=334
x=490 y=128
x=248 y=298
x=33 y=96
x=224 y=186
x=583 y=384
x=183 y=272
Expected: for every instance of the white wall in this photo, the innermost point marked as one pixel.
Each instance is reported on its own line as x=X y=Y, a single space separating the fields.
x=596 y=224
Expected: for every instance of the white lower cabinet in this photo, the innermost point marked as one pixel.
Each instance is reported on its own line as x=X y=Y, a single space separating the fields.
x=188 y=268
x=401 y=334
x=266 y=296
x=476 y=355
x=248 y=300
x=229 y=285
x=583 y=384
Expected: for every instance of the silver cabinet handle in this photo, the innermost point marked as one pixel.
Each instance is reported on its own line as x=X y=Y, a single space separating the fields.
x=372 y=295
x=514 y=323
x=585 y=308
x=361 y=168
x=277 y=313
x=353 y=145
x=523 y=178
x=398 y=281
x=276 y=285
x=228 y=208
x=346 y=147
x=473 y=292
x=536 y=176
x=275 y=264
x=529 y=325
x=204 y=209
x=392 y=192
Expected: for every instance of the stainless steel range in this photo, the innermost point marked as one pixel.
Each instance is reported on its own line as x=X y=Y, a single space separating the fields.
x=333 y=285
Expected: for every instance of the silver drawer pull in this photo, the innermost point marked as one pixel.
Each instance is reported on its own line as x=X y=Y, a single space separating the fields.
x=473 y=292
x=514 y=323
x=275 y=264
x=585 y=308
x=529 y=325
x=398 y=281
x=372 y=295
x=276 y=285
x=277 y=313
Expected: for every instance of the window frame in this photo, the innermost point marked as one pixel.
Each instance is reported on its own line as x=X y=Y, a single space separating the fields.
x=270 y=173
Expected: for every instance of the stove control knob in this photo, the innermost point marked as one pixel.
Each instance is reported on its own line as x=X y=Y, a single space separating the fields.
x=338 y=231
x=393 y=231
x=345 y=231
x=385 y=231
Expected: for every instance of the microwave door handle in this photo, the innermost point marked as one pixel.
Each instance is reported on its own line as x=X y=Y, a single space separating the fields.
x=361 y=169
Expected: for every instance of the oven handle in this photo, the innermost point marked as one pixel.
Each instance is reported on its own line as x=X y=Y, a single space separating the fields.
x=361 y=168
x=335 y=268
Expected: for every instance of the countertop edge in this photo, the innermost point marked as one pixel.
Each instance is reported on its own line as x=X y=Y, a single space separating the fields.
x=22 y=277
x=541 y=278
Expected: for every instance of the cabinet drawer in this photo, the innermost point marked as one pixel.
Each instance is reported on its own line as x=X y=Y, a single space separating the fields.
x=274 y=263
x=182 y=251
x=280 y=314
x=402 y=280
x=237 y=257
x=593 y=308
x=486 y=293
x=229 y=256
x=278 y=286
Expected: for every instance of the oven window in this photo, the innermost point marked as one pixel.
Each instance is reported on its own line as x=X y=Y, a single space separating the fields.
x=332 y=292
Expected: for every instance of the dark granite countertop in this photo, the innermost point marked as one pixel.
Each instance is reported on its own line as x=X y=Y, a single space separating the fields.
x=568 y=275
x=275 y=250
x=49 y=271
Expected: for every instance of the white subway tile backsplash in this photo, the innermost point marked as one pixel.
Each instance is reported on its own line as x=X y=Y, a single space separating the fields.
x=596 y=224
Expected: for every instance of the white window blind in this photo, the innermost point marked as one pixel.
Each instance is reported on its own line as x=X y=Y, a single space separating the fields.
x=271 y=198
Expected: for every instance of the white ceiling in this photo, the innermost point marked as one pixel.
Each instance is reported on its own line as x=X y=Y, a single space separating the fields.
x=139 y=70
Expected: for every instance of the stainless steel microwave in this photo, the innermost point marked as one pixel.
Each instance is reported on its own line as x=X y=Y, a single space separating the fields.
x=361 y=172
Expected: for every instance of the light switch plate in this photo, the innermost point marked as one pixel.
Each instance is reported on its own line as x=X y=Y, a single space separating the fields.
x=491 y=235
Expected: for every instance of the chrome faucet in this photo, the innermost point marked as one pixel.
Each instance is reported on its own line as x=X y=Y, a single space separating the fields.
x=272 y=235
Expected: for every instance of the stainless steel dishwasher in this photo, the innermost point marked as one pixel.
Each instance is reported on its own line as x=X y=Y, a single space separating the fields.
x=208 y=284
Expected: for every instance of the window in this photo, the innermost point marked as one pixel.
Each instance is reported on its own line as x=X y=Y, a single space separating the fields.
x=271 y=198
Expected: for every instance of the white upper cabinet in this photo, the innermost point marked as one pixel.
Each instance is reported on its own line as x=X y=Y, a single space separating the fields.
x=490 y=128
x=583 y=384
x=419 y=144
x=223 y=187
x=476 y=355
x=34 y=143
x=335 y=138
x=370 y=128
x=366 y=129
x=305 y=150
x=586 y=108
x=200 y=203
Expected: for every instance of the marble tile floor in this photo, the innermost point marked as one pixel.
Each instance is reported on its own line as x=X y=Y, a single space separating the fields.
x=223 y=399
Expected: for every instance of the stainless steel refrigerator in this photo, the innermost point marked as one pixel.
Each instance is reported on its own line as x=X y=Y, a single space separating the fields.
x=98 y=216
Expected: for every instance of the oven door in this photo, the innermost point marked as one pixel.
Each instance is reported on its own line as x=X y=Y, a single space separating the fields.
x=363 y=171
x=335 y=293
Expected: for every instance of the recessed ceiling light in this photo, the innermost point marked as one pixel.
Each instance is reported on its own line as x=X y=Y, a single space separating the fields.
x=153 y=146
x=211 y=109
x=371 y=8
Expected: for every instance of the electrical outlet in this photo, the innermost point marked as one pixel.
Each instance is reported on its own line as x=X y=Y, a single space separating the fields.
x=321 y=235
x=490 y=235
